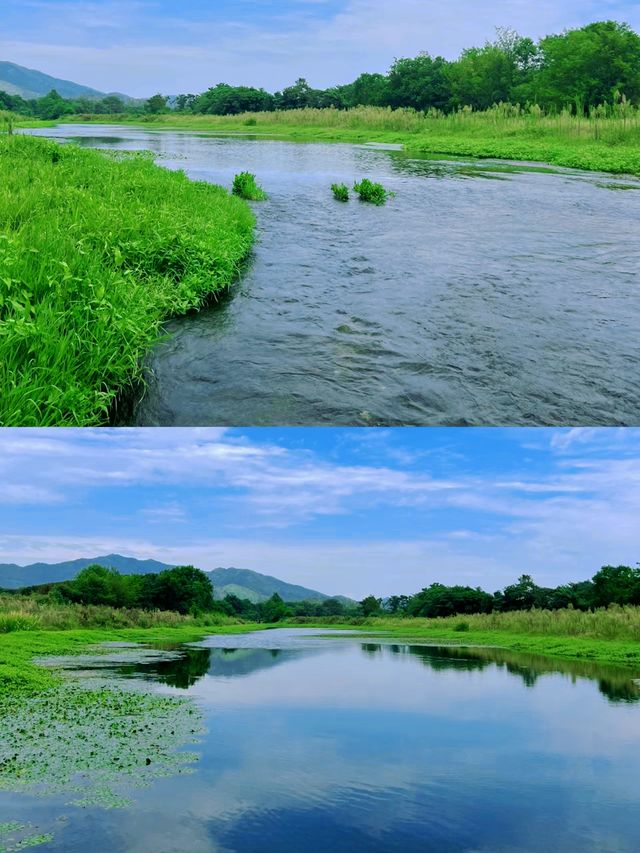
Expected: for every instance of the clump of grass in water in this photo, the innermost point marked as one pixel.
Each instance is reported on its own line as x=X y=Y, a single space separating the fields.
x=371 y=192
x=340 y=192
x=245 y=186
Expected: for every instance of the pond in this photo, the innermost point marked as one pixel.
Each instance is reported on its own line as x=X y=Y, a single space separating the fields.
x=363 y=746
x=478 y=295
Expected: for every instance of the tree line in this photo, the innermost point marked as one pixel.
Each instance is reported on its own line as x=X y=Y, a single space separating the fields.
x=579 y=69
x=188 y=590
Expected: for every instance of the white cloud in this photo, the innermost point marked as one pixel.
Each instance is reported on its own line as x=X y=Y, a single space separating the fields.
x=132 y=47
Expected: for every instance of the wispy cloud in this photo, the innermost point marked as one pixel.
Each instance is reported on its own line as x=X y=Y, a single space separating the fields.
x=142 y=47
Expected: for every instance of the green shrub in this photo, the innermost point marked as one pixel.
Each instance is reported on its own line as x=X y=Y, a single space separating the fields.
x=245 y=186
x=370 y=192
x=462 y=626
x=340 y=192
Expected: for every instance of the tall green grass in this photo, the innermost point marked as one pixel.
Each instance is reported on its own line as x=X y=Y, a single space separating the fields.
x=28 y=613
x=95 y=251
x=611 y=623
x=608 y=139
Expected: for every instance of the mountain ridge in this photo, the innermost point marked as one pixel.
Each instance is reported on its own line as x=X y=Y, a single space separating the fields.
x=30 y=83
x=244 y=583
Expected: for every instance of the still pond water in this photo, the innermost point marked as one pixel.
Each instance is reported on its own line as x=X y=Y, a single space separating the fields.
x=474 y=297
x=334 y=744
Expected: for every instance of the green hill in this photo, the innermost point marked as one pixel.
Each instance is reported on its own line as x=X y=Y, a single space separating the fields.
x=18 y=80
x=241 y=582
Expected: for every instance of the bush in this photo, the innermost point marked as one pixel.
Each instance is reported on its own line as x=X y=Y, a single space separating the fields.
x=462 y=626
x=373 y=193
x=245 y=186
x=340 y=192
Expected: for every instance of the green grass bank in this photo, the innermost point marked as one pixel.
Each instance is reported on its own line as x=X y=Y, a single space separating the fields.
x=607 y=143
x=610 y=636
x=95 y=252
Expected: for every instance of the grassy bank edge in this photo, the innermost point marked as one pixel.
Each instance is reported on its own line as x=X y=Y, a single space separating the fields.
x=619 y=652
x=588 y=156
x=18 y=650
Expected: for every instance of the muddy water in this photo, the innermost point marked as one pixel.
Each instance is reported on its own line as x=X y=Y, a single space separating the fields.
x=474 y=297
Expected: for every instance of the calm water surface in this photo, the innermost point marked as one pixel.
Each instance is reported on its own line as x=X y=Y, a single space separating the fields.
x=347 y=746
x=471 y=298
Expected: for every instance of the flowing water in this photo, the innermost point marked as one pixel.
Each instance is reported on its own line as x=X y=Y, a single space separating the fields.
x=473 y=297
x=337 y=744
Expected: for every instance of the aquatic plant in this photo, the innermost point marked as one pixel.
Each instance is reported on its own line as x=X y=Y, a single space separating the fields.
x=340 y=192
x=95 y=252
x=245 y=186
x=371 y=192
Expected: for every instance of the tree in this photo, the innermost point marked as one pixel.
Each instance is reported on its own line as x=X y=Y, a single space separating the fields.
x=274 y=609
x=520 y=595
x=232 y=100
x=156 y=104
x=112 y=105
x=616 y=585
x=98 y=585
x=185 y=589
x=52 y=106
x=586 y=67
x=331 y=607
x=421 y=83
x=397 y=604
x=371 y=606
x=440 y=600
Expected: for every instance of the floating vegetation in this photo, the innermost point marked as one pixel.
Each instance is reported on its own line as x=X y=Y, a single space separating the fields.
x=94 y=742
x=371 y=192
x=340 y=192
x=15 y=836
x=245 y=186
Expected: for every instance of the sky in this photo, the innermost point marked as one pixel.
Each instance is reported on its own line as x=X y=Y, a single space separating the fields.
x=345 y=511
x=139 y=47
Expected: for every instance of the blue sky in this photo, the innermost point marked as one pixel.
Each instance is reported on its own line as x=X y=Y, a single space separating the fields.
x=142 y=46
x=348 y=511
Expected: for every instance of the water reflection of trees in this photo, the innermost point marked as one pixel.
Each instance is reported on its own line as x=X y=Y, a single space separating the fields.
x=616 y=684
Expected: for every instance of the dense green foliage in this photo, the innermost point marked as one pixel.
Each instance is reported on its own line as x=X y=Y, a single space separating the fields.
x=340 y=192
x=183 y=589
x=371 y=192
x=94 y=253
x=245 y=186
x=612 y=585
x=579 y=69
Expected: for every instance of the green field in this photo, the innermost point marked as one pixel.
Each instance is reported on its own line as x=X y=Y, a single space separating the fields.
x=95 y=252
x=601 y=143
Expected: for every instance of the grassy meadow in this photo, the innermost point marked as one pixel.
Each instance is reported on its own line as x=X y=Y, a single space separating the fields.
x=95 y=252
x=607 y=140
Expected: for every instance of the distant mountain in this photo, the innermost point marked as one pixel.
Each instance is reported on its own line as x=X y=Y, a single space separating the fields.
x=18 y=80
x=241 y=582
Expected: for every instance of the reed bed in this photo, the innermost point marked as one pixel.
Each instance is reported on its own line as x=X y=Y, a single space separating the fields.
x=611 y=623
x=24 y=613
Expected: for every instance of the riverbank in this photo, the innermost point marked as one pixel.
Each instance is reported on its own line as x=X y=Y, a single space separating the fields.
x=96 y=252
x=610 y=144
x=610 y=636
x=18 y=649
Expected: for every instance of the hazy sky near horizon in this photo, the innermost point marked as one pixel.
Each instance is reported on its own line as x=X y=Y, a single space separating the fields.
x=346 y=511
x=143 y=46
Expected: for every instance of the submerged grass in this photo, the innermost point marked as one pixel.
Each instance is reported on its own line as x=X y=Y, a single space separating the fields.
x=95 y=251
x=600 y=142
x=340 y=192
